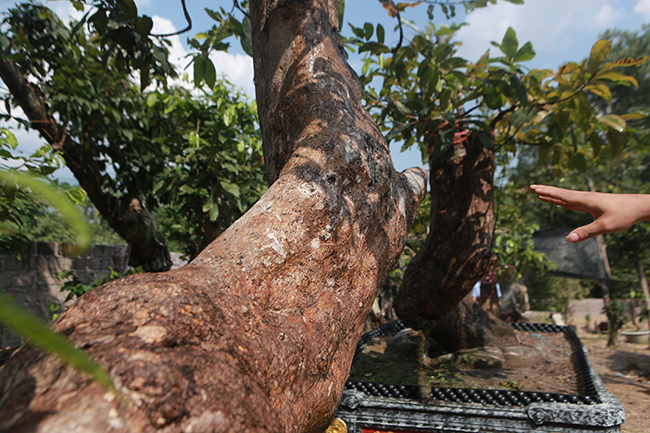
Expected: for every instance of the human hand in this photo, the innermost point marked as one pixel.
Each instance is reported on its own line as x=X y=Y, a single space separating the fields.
x=611 y=212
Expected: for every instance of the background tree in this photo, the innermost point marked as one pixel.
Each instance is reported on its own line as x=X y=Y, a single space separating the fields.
x=192 y=160
x=460 y=113
x=55 y=73
x=22 y=213
x=625 y=173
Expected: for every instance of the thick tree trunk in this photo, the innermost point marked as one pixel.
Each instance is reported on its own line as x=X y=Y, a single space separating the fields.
x=258 y=332
x=458 y=250
x=134 y=224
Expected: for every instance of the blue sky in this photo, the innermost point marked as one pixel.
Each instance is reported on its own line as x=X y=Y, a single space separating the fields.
x=560 y=31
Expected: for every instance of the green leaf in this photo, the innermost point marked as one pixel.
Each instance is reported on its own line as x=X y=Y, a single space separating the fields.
x=509 y=44
x=11 y=139
x=214 y=213
x=374 y=48
x=525 y=53
x=493 y=98
x=152 y=98
x=144 y=25
x=358 y=32
x=544 y=152
x=613 y=121
x=128 y=8
x=46 y=170
x=618 y=78
x=78 y=5
x=601 y=90
x=214 y=15
x=247 y=46
x=341 y=10
x=380 y=34
x=579 y=161
x=186 y=189
x=617 y=141
x=368 y=30
x=228 y=116
x=231 y=168
x=596 y=144
x=32 y=328
x=231 y=188
x=144 y=77
x=199 y=70
x=100 y=21
x=519 y=90
x=246 y=43
x=210 y=76
x=211 y=208
x=120 y=61
x=598 y=53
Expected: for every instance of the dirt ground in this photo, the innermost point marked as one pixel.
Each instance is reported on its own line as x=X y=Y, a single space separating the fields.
x=625 y=371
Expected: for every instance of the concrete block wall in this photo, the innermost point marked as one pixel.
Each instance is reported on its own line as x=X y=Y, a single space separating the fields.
x=33 y=282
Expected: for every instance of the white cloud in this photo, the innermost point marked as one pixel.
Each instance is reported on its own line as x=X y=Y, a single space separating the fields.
x=551 y=25
x=142 y=4
x=65 y=11
x=643 y=8
x=177 y=51
x=236 y=68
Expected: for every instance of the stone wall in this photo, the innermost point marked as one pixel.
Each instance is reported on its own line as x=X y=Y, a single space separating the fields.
x=33 y=282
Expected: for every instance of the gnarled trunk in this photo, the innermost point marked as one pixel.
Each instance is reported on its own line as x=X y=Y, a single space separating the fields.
x=258 y=332
x=458 y=250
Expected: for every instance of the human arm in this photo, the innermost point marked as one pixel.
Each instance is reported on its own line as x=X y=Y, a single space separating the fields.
x=611 y=212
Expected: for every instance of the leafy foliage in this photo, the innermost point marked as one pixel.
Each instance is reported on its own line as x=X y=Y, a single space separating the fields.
x=428 y=94
x=194 y=160
x=513 y=237
x=554 y=293
x=626 y=45
x=29 y=197
x=125 y=38
x=75 y=287
x=227 y=25
x=216 y=168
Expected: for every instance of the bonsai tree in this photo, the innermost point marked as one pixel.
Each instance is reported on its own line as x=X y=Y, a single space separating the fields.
x=463 y=115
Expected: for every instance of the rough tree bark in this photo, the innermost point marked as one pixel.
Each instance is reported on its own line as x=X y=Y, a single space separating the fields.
x=135 y=224
x=258 y=332
x=458 y=249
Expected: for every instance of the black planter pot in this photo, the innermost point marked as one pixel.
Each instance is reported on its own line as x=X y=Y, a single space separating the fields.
x=370 y=407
